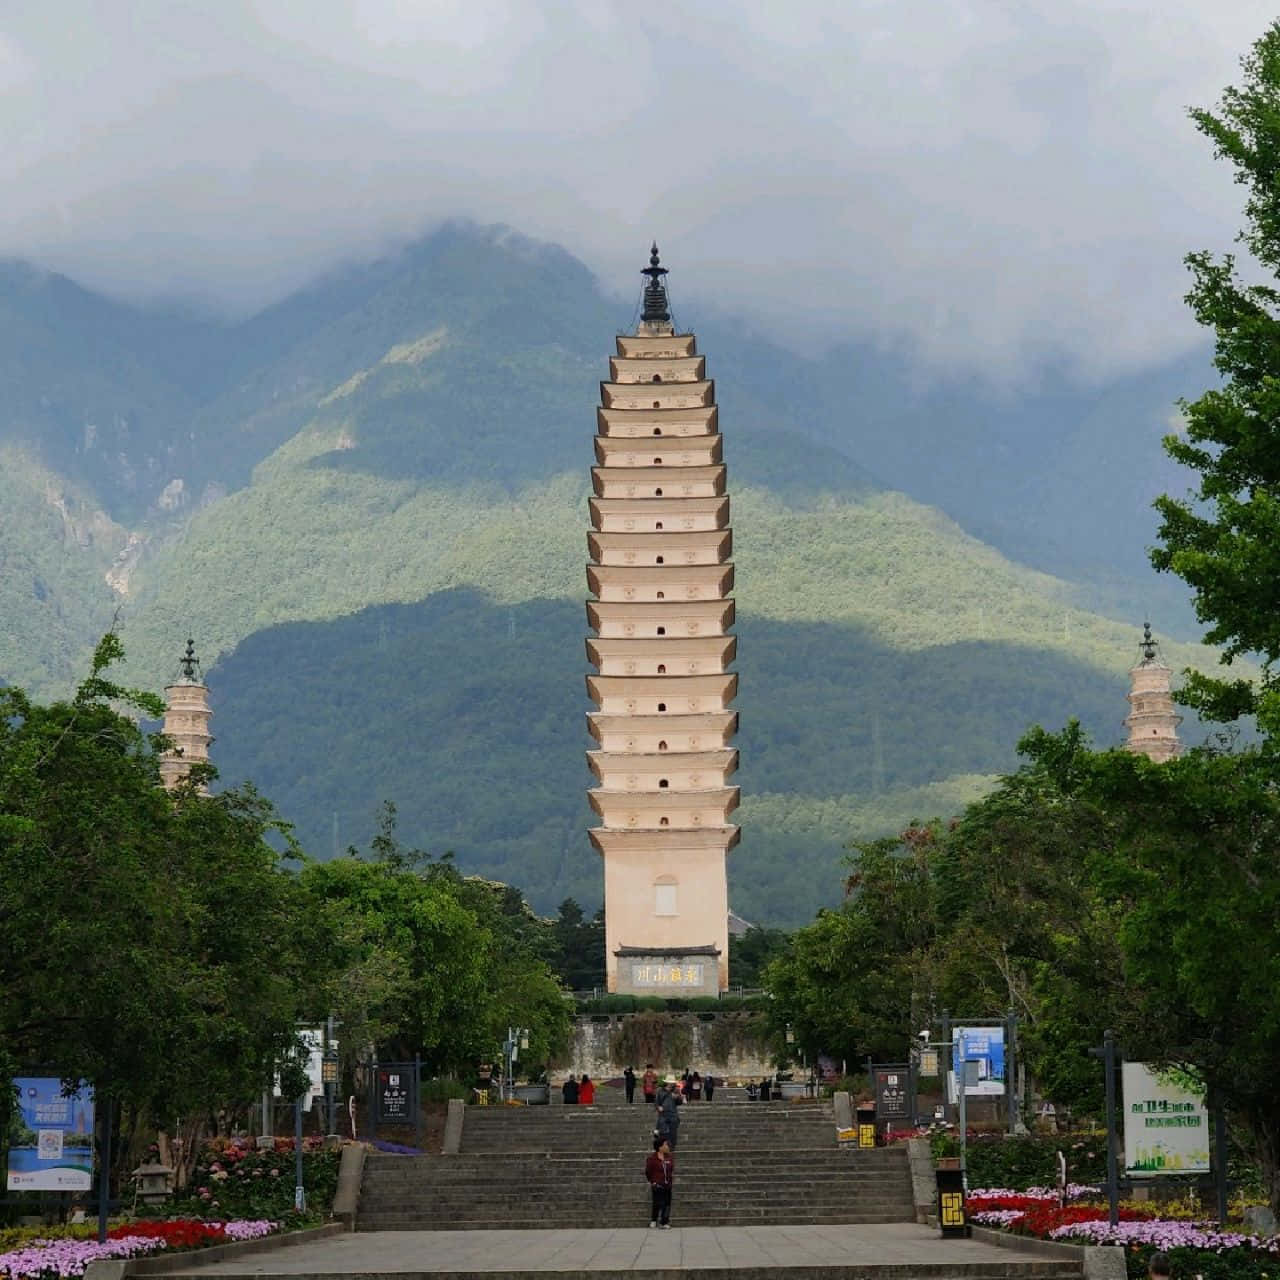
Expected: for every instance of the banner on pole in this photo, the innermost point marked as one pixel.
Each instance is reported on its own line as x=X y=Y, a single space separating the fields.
x=51 y=1142
x=1166 y=1126
x=984 y=1052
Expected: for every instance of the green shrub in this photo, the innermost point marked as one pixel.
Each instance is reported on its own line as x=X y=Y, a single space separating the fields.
x=1030 y=1160
x=232 y=1180
x=677 y=1004
x=441 y=1090
x=1230 y=1264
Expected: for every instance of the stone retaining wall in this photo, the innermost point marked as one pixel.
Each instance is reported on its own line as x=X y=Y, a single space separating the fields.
x=589 y=1051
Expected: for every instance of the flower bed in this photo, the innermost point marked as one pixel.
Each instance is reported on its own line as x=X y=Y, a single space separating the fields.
x=1194 y=1248
x=47 y=1258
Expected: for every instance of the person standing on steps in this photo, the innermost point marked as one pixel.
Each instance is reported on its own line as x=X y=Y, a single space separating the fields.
x=586 y=1090
x=709 y=1086
x=569 y=1091
x=659 y=1170
x=629 y=1083
x=649 y=1084
x=668 y=1112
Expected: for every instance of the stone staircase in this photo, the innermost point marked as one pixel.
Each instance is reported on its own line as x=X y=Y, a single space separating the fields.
x=737 y=1163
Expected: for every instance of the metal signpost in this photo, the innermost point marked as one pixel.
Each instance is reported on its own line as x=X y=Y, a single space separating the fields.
x=517 y=1039
x=299 y=1195
x=1107 y=1052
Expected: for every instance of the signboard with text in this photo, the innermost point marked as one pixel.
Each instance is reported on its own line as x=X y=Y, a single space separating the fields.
x=1166 y=1126
x=395 y=1099
x=666 y=975
x=893 y=1096
x=51 y=1146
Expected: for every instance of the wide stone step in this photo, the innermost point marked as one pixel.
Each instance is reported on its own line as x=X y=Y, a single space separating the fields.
x=686 y=1219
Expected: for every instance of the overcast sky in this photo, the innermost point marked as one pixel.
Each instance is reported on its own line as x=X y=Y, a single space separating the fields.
x=998 y=183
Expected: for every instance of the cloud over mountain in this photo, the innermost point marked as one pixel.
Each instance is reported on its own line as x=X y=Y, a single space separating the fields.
x=995 y=185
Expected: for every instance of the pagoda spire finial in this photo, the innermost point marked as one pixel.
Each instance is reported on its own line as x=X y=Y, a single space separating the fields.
x=1147 y=644
x=656 y=309
x=189 y=661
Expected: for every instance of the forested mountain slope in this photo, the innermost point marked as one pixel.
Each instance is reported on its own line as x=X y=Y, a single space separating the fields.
x=368 y=505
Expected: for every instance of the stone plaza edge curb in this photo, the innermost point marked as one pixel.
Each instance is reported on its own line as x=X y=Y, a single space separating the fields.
x=165 y=1264
x=1100 y=1261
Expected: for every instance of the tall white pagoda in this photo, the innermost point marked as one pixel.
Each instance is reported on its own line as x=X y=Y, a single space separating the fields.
x=660 y=574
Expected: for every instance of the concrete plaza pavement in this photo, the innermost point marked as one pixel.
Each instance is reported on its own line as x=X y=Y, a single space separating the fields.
x=881 y=1249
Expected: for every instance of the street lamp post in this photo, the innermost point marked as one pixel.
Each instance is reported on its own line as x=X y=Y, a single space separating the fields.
x=517 y=1039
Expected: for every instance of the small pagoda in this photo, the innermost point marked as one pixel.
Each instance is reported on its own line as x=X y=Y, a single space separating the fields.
x=186 y=721
x=660 y=574
x=1152 y=720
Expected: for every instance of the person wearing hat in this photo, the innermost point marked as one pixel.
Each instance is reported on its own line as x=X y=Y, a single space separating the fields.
x=668 y=1114
x=649 y=1083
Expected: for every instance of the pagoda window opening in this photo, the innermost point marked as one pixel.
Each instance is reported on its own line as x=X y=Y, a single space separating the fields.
x=657 y=431
x=662 y=595
x=662 y=706
x=657 y=524
x=657 y=404
x=664 y=822
x=657 y=462
x=657 y=377
x=662 y=746
x=662 y=668
x=659 y=560
x=662 y=782
x=657 y=493
x=662 y=631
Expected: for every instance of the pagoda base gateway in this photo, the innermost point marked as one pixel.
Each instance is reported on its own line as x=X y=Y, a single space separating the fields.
x=660 y=573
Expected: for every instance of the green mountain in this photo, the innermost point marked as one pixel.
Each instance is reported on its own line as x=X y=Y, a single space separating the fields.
x=368 y=505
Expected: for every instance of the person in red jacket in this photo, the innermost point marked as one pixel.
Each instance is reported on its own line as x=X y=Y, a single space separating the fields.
x=586 y=1090
x=660 y=1169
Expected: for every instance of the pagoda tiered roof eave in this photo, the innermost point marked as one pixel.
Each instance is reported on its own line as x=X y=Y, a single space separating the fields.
x=655 y=763
x=691 y=368
x=656 y=346
x=611 y=839
x=635 y=423
x=713 y=648
x=674 y=451
x=702 y=685
x=720 y=611
x=662 y=542
x=603 y=579
x=723 y=798
x=671 y=395
x=612 y=509
x=722 y=722
x=658 y=482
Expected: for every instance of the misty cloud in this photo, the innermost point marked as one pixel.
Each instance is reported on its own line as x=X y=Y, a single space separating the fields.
x=996 y=184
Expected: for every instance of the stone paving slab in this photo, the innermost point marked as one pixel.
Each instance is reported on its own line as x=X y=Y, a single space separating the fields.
x=880 y=1249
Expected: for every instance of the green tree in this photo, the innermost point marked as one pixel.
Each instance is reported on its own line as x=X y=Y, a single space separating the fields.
x=579 y=942
x=1224 y=541
x=408 y=971
x=148 y=942
x=751 y=953
x=855 y=981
